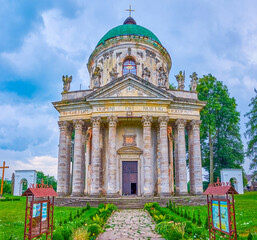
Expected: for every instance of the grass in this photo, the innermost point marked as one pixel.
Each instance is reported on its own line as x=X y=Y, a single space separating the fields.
x=12 y=216
x=246 y=213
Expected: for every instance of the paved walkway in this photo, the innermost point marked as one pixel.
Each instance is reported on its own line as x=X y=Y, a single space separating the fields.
x=129 y=224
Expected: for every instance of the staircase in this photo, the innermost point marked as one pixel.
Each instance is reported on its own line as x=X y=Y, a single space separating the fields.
x=128 y=202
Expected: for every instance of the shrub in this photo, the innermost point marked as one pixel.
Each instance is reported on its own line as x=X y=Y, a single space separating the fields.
x=194 y=219
x=159 y=218
x=98 y=220
x=250 y=236
x=199 y=222
x=101 y=205
x=94 y=229
x=168 y=231
x=65 y=221
x=206 y=225
x=70 y=218
x=66 y=233
x=88 y=206
x=57 y=235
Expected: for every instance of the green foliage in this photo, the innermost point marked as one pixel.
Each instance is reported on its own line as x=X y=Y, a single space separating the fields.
x=220 y=137
x=199 y=222
x=57 y=235
x=88 y=206
x=70 y=218
x=169 y=231
x=7 y=188
x=6 y=199
x=172 y=86
x=94 y=229
x=101 y=205
x=250 y=236
x=97 y=219
x=49 y=180
x=66 y=233
x=159 y=218
x=194 y=219
x=251 y=132
x=206 y=225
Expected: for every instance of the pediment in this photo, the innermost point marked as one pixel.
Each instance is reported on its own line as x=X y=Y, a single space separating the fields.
x=130 y=86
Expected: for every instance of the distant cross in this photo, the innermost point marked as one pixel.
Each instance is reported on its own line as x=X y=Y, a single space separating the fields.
x=2 y=184
x=130 y=10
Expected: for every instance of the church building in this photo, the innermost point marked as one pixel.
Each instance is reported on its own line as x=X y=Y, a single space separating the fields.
x=126 y=133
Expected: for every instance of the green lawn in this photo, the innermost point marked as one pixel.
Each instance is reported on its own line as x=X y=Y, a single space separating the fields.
x=12 y=216
x=246 y=213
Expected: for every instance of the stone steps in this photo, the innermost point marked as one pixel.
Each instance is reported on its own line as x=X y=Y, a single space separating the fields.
x=128 y=202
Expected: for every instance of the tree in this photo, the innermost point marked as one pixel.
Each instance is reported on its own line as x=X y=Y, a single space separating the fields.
x=220 y=138
x=251 y=132
x=51 y=181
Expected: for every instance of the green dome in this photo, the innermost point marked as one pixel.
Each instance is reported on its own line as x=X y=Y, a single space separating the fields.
x=128 y=29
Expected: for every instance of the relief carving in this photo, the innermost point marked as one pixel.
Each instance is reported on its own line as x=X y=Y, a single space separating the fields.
x=108 y=54
x=101 y=60
x=129 y=51
x=113 y=73
x=150 y=53
x=96 y=78
x=66 y=83
x=118 y=54
x=162 y=77
x=140 y=54
x=146 y=74
x=194 y=81
x=181 y=80
x=157 y=60
x=129 y=140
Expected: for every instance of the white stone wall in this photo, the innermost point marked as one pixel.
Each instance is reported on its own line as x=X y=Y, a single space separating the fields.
x=29 y=175
x=237 y=174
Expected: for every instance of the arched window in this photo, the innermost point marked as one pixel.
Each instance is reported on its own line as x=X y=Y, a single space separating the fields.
x=129 y=66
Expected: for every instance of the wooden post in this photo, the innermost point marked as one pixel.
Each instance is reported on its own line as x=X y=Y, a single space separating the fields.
x=2 y=184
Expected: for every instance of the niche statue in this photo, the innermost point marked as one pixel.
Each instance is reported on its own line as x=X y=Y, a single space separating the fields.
x=162 y=77
x=96 y=77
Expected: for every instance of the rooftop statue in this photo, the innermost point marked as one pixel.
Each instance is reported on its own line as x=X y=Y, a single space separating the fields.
x=181 y=80
x=194 y=81
x=66 y=83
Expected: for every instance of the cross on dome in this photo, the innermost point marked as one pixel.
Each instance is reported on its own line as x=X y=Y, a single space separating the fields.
x=130 y=10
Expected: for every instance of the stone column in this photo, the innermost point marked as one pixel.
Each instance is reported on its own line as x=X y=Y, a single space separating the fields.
x=195 y=163
x=88 y=153
x=68 y=165
x=112 y=157
x=181 y=169
x=158 y=161
x=63 y=163
x=83 y=162
x=147 y=155
x=164 y=156
x=95 y=157
x=171 y=170
x=77 y=171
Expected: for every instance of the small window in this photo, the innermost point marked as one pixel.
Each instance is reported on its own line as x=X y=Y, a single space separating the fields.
x=129 y=66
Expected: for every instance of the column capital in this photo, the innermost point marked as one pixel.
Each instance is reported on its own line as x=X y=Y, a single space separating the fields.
x=96 y=121
x=78 y=124
x=147 y=121
x=64 y=125
x=163 y=121
x=195 y=124
x=112 y=121
x=180 y=123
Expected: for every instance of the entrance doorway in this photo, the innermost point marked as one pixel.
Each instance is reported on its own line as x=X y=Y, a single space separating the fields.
x=129 y=178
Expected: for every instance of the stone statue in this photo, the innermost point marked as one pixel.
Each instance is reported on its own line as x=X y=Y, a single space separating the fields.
x=114 y=74
x=146 y=74
x=162 y=77
x=181 y=80
x=194 y=81
x=96 y=77
x=66 y=83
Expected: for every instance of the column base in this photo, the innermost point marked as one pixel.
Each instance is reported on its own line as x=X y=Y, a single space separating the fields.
x=112 y=195
x=62 y=194
x=96 y=195
x=196 y=194
x=148 y=195
x=182 y=194
x=77 y=195
x=165 y=195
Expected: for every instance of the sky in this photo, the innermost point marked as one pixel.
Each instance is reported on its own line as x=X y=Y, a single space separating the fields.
x=43 y=40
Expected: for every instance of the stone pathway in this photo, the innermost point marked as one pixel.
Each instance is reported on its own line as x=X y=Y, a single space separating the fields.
x=129 y=224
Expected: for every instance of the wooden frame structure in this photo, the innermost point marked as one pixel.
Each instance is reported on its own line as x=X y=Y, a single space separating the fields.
x=39 y=213
x=221 y=210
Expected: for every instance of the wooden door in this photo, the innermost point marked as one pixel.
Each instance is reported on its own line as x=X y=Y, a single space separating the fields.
x=129 y=178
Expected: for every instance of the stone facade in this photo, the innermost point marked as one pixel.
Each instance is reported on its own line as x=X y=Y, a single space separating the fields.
x=129 y=129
